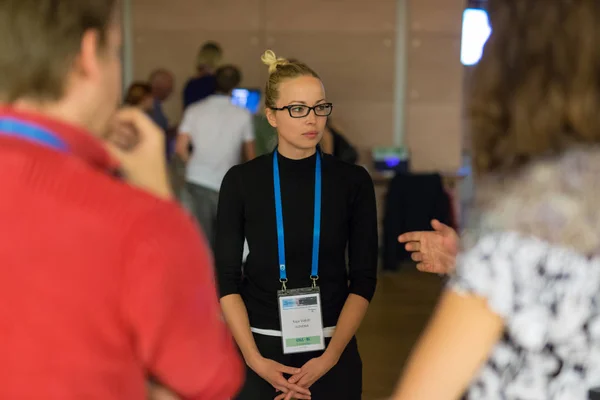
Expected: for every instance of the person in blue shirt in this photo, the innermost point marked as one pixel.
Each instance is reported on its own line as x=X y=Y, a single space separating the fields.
x=162 y=82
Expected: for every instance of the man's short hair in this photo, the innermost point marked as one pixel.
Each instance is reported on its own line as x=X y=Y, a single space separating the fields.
x=209 y=55
x=40 y=40
x=159 y=73
x=228 y=77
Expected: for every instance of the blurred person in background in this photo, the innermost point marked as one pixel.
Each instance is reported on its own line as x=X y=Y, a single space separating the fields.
x=335 y=143
x=299 y=209
x=265 y=135
x=220 y=134
x=520 y=318
x=204 y=83
x=106 y=283
x=162 y=82
x=139 y=95
x=199 y=87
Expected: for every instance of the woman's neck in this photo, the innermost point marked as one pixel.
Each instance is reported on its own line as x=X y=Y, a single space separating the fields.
x=294 y=153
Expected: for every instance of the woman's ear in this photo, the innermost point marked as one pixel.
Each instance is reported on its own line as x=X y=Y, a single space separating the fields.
x=271 y=117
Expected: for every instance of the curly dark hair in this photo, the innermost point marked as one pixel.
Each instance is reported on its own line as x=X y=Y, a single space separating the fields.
x=137 y=92
x=536 y=90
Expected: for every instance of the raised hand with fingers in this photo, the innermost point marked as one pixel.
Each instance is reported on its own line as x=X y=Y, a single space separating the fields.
x=272 y=372
x=434 y=251
x=138 y=145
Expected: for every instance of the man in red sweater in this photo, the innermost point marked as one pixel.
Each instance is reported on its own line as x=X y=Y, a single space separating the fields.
x=105 y=282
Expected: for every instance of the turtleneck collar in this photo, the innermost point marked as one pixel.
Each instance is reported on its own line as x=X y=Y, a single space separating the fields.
x=307 y=163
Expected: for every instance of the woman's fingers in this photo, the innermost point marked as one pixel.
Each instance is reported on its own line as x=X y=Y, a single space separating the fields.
x=418 y=257
x=281 y=382
x=413 y=246
x=307 y=380
x=301 y=392
x=410 y=237
x=297 y=377
x=425 y=267
x=441 y=228
x=290 y=395
x=298 y=396
x=287 y=370
x=281 y=389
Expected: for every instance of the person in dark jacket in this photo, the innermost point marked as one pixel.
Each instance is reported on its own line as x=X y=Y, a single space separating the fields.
x=204 y=83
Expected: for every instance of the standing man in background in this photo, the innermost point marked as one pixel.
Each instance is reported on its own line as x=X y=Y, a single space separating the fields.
x=204 y=83
x=105 y=281
x=162 y=82
x=220 y=133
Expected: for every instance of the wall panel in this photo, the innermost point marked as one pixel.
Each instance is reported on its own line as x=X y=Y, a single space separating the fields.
x=434 y=98
x=350 y=43
x=351 y=16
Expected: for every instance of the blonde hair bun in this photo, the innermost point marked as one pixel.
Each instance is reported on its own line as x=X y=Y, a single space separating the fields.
x=270 y=59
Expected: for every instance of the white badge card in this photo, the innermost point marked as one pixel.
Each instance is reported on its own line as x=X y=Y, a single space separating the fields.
x=301 y=320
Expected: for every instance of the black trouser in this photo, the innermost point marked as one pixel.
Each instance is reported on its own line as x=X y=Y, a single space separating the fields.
x=343 y=381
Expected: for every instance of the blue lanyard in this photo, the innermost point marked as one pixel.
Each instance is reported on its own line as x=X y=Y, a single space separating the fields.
x=314 y=274
x=17 y=128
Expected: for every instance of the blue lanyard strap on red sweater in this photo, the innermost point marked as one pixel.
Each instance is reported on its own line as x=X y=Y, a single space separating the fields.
x=17 y=128
x=314 y=275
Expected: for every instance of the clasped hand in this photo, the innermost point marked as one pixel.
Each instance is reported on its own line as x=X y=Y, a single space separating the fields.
x=310 y=372
x=272 y=372
x=296 y=387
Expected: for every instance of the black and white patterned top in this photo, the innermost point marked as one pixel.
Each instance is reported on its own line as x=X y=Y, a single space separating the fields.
x=549 y=298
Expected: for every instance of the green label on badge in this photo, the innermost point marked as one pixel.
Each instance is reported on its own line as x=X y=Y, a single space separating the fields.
x=303 y=341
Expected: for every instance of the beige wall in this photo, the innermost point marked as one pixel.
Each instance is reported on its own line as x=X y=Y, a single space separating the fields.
x=434 y=97
x=351 y=43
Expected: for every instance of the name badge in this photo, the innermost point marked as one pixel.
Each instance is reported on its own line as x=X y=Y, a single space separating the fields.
x=301 y=320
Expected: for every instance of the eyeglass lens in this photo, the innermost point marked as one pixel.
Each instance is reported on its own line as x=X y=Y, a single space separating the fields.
x=299 y=111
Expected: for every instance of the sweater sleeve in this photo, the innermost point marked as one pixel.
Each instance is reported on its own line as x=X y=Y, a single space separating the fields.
x=171 y=307
x=363 y=242
x=229 y=244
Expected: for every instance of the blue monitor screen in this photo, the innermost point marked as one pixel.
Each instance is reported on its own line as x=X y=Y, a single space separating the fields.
x=475 y=32
x=247 y=98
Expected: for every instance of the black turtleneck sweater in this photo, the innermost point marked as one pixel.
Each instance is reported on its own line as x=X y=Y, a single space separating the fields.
x=348 y=221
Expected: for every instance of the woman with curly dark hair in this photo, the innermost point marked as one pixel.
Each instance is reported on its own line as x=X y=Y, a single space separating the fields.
x=520 y=318
x=139 y=95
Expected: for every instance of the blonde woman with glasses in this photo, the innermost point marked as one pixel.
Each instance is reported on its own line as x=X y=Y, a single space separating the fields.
x=296 y=304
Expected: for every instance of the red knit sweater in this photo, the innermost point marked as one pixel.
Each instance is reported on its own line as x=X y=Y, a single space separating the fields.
x=101 y=284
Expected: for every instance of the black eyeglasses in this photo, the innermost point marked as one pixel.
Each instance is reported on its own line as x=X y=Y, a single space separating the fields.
x=301 y=111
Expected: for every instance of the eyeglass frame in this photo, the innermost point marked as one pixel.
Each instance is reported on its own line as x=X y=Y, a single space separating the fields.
x=313 y=109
